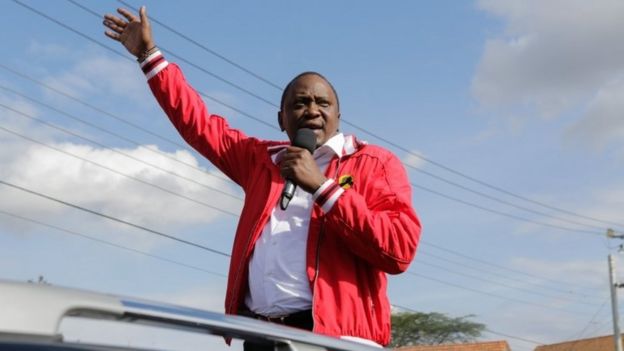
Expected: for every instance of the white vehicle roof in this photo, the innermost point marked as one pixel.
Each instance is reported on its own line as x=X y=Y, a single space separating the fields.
x=36 y=310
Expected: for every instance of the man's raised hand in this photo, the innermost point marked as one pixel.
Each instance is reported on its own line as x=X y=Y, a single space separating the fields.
x=133 y=32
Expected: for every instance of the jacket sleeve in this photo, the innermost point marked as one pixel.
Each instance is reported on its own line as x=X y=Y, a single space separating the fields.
x=377 y=222
x=209 y=134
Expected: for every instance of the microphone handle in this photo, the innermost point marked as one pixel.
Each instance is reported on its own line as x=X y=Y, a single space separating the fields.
x=287 y=194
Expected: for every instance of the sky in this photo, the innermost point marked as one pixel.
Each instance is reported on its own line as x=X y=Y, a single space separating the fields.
x=507 y=115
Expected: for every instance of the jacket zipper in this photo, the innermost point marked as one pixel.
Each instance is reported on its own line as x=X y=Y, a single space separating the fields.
x=238 y=270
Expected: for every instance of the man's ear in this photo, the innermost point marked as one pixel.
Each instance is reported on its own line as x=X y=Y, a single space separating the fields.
x=279 y=120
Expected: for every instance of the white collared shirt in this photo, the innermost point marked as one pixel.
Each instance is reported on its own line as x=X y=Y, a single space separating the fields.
x=278 y=283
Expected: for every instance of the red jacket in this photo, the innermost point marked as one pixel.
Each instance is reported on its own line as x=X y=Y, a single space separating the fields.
x=371 y=229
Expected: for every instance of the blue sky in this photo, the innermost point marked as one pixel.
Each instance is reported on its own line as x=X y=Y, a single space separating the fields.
x=523 y=96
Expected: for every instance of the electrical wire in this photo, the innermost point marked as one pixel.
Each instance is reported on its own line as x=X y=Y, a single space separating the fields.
x=112 y=218
x=109 y=243
x=139 y=180
x=77 y=32
x=527 y=291
x=504 y=214
x=519 y=218
x=571 y=213
x=115 y=117
x=172 y=237
x=499 y=275
x=501 y=201
x=460 y=254
x=495 y=295
x=368 y=132
x=64 y=113
x=579 y=335
x=196 y=43
x=60 y=111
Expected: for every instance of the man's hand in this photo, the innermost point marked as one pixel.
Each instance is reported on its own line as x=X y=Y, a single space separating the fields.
x=133 y=32
x=299 y=166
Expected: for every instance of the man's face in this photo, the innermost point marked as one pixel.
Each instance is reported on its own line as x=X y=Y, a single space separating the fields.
x=310 y=102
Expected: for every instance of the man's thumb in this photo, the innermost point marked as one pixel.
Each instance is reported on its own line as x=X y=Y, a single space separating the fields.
x=143 y=14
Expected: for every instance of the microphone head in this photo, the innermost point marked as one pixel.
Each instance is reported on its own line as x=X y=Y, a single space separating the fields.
x=305 y=138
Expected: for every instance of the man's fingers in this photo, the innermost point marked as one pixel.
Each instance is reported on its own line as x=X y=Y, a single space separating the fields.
x=116 y=20
x=113 y=27
x=112 y=35
x=128 y=15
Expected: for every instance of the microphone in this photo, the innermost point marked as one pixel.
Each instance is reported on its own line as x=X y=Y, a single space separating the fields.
x=305 y=138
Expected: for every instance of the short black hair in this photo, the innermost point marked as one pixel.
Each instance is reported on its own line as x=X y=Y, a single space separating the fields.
x=306 y=73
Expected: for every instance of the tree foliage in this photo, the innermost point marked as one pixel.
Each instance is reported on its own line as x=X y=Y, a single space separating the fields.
x=419 y=328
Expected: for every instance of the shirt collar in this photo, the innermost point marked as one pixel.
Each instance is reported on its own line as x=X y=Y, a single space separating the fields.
x=335 y=144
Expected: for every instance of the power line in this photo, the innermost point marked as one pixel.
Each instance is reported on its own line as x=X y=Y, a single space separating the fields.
x=219 y=101
x=493 y=187
x=501 y=201
x=495 y=295
x=73 y=98
x=580 y=334
x=225 y=254
x=463 y=265
x=21 y=113
x=105 y=242
x=566 y=228
x=505 y=285
x=97 y=143
x=504 y=214
x=456 y=253
x=196 y=43
x=115 y=219
x=196 y=66
x=385 y=140
x=99 y=165
x=115 y=117
x=164 y=259
x=438 y=193
x=488 y=330
x=74 y=134
x=273 y=127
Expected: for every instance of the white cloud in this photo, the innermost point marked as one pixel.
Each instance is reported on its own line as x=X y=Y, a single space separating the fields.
x=58 y=175
x=553 y=54
x=95 y=74
x=603 y=122
x=414 y=159
x=48 y=50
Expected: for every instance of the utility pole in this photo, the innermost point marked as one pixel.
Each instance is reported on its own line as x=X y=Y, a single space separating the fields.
x=614 y=297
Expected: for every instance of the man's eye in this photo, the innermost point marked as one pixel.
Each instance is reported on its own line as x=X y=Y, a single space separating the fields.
x=324 y=103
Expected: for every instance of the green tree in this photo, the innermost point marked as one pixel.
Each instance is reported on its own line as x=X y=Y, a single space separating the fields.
x=417 y=328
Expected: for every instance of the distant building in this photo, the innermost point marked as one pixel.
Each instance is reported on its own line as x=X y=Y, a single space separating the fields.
x=476 y=346
x=600 y=343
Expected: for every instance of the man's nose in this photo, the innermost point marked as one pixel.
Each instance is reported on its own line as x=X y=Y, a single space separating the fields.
x=313 y=110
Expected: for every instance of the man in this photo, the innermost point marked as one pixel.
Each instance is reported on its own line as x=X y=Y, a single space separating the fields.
x=321 y=263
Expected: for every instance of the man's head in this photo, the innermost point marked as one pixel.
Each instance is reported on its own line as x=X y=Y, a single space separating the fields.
x=310 y=101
